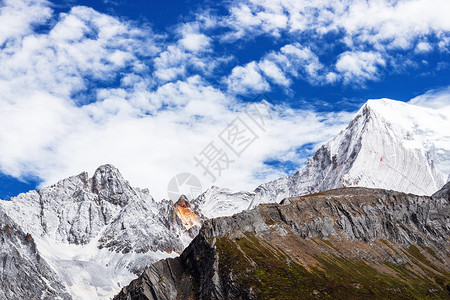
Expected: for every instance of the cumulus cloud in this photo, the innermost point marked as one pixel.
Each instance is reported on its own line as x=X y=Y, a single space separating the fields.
x=382 y=23
x=191 y=51
x=83 y=46
x=18 y=17
x=436 y=98
x=247 y=79
x=274 y=73
x=91 y=90
x=300 y=59
x=423 y=47
x=359 y=66
x=279 y=67
x=195 y=42
x=372 y=30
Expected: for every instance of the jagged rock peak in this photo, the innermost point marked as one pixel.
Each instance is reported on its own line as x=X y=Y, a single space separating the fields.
x=444 y=192
x=355 y=236
x=106 y=176
x=95 y=227
x=110 y=186
x=183 y=202
x=186 y=214
x=24 y=274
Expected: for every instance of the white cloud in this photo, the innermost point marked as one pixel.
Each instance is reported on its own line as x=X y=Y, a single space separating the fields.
x=30 y=129
x=150 y=130
x=170 y=64
x=423 y=47
x=436 y=98
x=331 y=77
x=247 y=80
x=272 y=71
x=359 y=66
x=376 y=27
x=398 y=24
x=18 y=17
x=395 y=24
x=291 y=61
x=301 y=59
x=195 y=42
x=192 y=51
x=83 y=45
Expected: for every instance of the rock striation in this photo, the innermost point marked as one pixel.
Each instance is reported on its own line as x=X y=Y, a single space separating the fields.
x=355 y=243
x=24 y=274
x=388 y=144
x=98 y=233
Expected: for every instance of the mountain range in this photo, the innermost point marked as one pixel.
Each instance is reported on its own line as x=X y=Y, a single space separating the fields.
x=388 y=144
x=349 y=243
x=88 y=237
x=93 y=234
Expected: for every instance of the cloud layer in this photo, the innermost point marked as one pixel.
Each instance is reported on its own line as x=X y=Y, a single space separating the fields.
x=82 y=88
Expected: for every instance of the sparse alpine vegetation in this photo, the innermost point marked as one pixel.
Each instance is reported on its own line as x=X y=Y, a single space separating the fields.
x=351 y=243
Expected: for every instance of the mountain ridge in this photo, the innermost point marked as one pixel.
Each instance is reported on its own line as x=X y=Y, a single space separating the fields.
x=382 y=147
x=355 y=243
x=97 y=232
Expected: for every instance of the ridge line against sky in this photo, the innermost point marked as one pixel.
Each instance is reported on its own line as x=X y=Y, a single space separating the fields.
x=147 y=86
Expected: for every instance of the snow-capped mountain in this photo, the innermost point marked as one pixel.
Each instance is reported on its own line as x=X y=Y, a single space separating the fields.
x=24 y=274
x=388 y=144
x=85 y=238
x=219 y=202
x=96 y=234
x=349 y=243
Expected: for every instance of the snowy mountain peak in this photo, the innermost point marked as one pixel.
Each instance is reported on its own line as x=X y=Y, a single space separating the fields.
x=186 y=214
x=388 y=144
x=183 y=201
x=384 y=102
x=97 y=232
x=110 y=186
x=108 y=172
x=24 y=274
x=218 y=202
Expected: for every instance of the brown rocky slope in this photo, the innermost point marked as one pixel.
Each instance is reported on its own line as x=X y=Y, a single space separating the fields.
x=352 y=243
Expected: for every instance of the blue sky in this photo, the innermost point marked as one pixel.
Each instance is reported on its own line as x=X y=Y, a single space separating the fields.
x=147 y=85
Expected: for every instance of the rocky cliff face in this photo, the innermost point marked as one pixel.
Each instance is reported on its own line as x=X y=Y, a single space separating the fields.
x=355 y=243
x=24 y=274
x=388 y=144
x=97 y=233
x=444 y=192
x=93 y=235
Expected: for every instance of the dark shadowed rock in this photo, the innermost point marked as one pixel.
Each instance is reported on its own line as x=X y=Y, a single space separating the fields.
x=353 y=243
x=444 y=192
